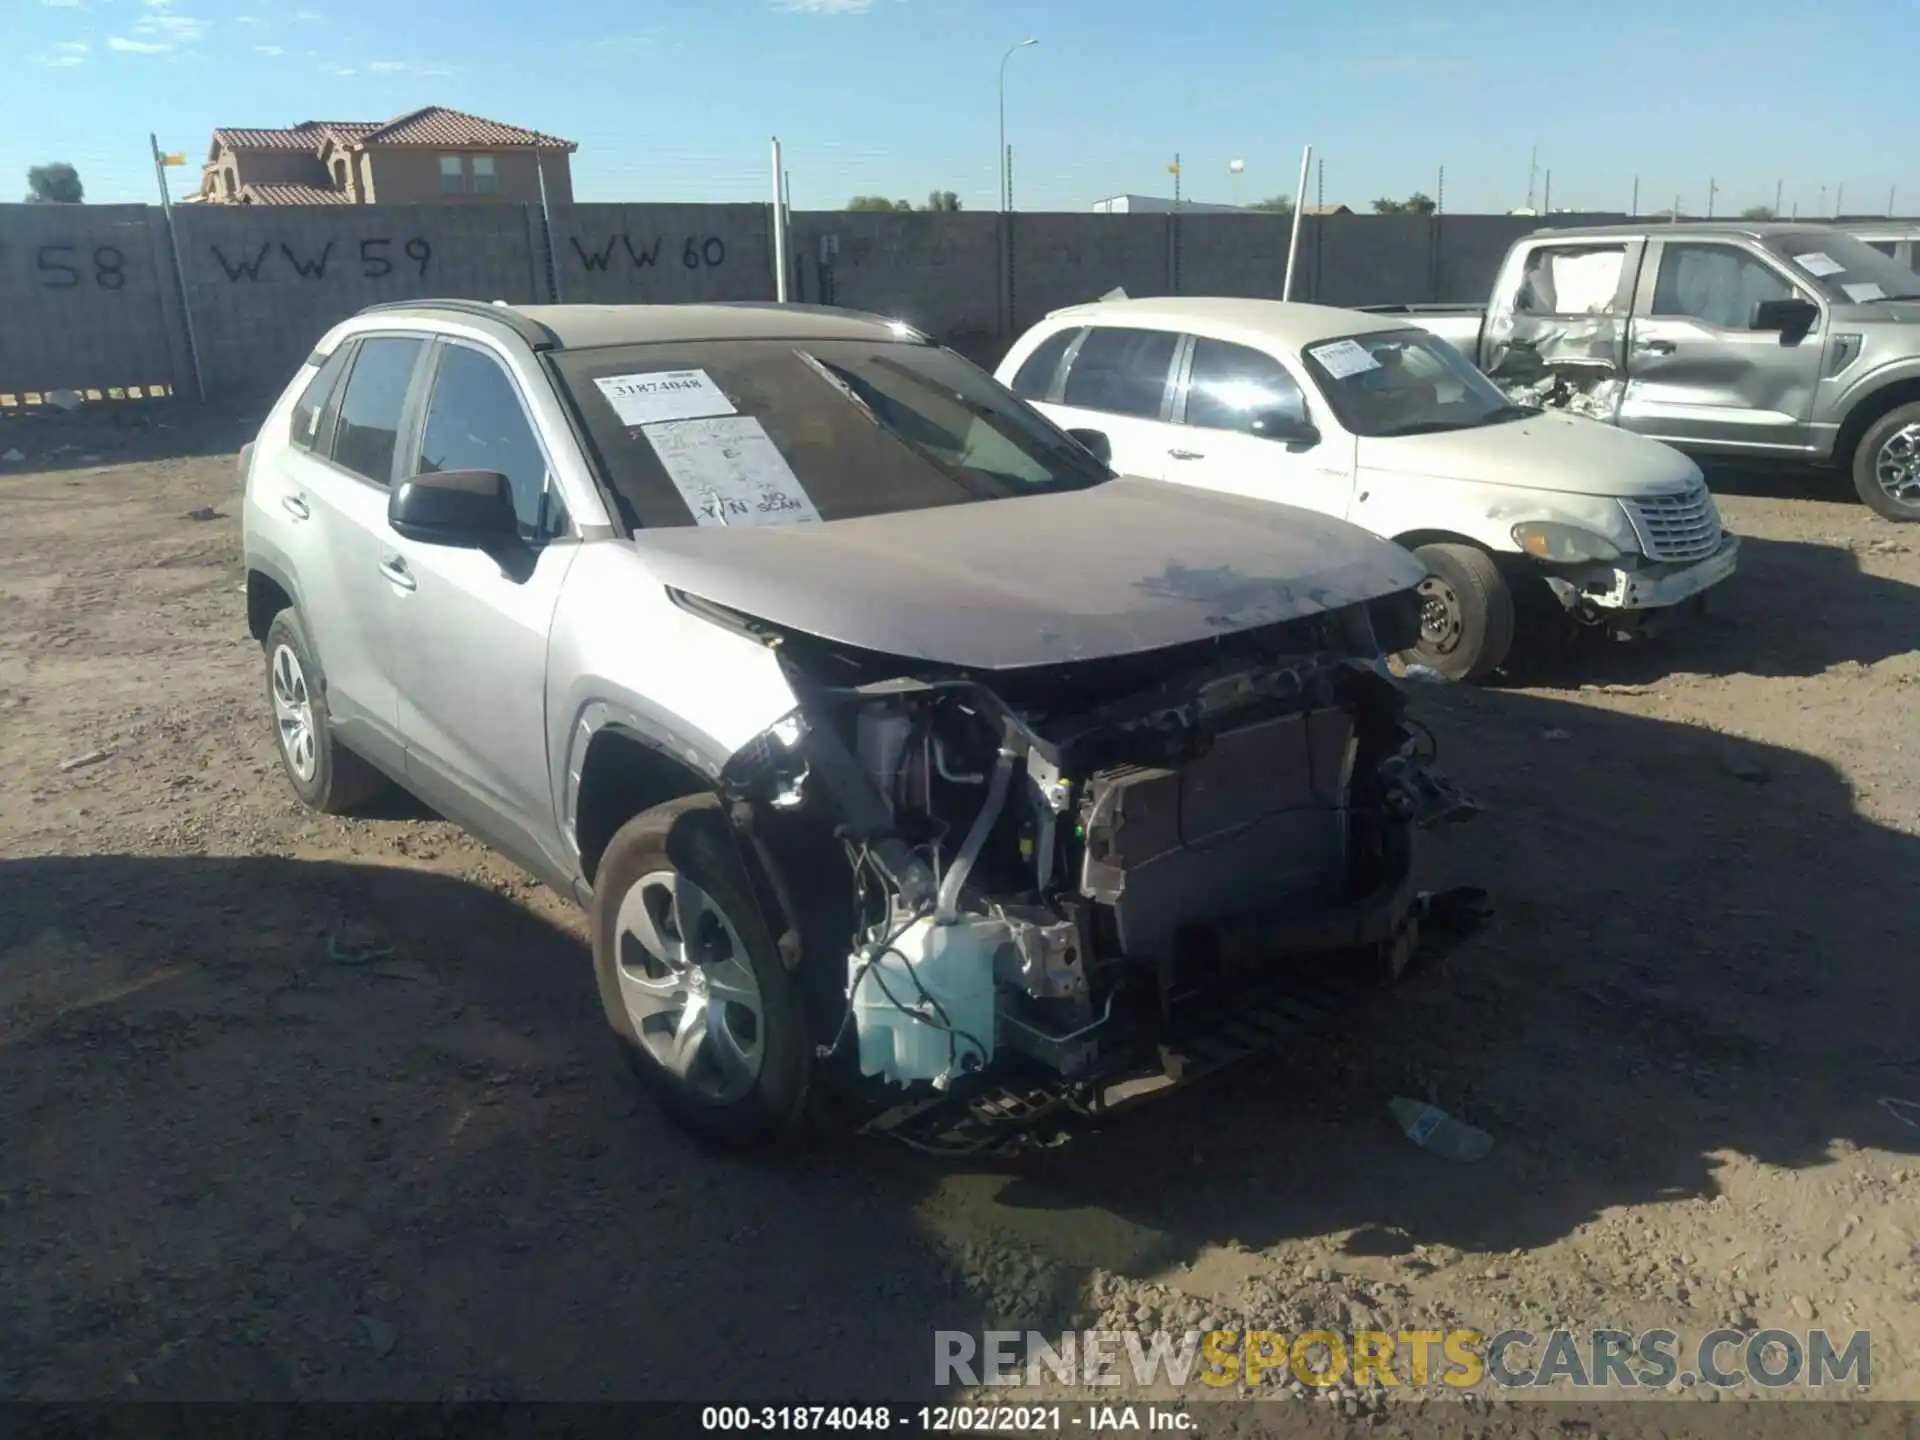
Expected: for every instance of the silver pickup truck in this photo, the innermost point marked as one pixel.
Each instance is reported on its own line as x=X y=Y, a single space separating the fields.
x=1794 y=342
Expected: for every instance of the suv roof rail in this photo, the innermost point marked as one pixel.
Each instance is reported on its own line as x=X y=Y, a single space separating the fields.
x=528 y=329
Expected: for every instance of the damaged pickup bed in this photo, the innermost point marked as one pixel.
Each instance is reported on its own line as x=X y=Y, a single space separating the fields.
x=906 y=760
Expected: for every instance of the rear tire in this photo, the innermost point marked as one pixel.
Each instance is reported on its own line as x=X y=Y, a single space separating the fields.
x=711 y=1020
x=1466 y=615
x=1886 y=464
x=326 y=775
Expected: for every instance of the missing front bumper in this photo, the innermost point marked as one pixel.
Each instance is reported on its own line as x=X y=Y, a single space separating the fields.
x=1603 y=590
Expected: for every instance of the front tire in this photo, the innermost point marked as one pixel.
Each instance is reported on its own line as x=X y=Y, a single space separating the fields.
x=1886 y=464
x=709 y=1017
x=326 y=775
x=1466 y=613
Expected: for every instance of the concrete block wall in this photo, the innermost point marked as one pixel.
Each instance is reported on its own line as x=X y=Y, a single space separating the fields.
x=662 y=254
x=89 y=297
x=267 y=281
x=84 y=298
x=938 y=272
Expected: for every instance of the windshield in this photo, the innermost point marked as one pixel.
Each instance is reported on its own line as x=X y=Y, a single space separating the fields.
x=780 y=432
x=1844 y=267
x=1405 y=382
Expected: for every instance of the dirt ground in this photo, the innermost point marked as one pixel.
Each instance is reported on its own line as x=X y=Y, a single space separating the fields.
x=234 y=1167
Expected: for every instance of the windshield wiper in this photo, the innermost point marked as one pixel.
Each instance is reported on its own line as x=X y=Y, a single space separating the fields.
x=1422 y=427
x=1904 y=295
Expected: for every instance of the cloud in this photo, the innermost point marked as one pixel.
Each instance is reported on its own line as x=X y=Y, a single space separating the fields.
x=64 y=55
x=1406 y=65
x=159 y=31
x=342 y=70
x=823 y=7
x=268 y=50
x=405 y=67
x=246 y=19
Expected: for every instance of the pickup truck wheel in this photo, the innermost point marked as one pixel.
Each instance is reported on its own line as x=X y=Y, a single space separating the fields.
x=326 y=775
x=1886 y=466
x=708 y=1016
x=1466 y=613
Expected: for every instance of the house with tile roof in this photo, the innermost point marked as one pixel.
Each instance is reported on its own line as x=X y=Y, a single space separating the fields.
x=430 y=156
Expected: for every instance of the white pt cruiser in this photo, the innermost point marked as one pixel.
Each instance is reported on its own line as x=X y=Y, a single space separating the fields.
x=1388 y=427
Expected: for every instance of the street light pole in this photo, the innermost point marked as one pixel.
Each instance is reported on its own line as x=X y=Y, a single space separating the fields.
x=1000 y=162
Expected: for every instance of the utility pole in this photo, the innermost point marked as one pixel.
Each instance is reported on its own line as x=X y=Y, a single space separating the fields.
x=1890 y=191
x=1778 y=186
x=1546 y=200
x=1533 y=169
x=1673 y=216
x=1319 y=187
x=1440 y=198
x=1839 y=192
x=160 y=163
x=1713 y=189
x=1293 y=239
x=1006 y=183
x=1635 y=208
x=779 y=226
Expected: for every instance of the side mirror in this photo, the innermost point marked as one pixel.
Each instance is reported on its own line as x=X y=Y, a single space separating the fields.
x=472 y=509
x=1284 y=426
x=1097 y=442
x=1789 y=317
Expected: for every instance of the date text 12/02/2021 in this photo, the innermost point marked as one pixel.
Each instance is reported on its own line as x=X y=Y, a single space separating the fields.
x=948 y=1419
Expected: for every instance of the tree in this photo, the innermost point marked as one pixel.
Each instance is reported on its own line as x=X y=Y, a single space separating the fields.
x=1414 y=204
x=1274 y=205
x=1758 y=212
x=57 y=183
x=876 y=202
x=942 y=200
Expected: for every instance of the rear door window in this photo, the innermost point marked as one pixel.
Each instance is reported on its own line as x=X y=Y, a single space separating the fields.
x=304 y=430
x=1034 y=380
x=1122 y=372
x=1574 y=280
x=368 y=430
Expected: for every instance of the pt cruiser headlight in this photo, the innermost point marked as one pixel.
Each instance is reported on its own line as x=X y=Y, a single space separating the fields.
x=1563 y=544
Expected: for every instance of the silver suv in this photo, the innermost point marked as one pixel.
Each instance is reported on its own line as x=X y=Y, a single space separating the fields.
x=889 y=739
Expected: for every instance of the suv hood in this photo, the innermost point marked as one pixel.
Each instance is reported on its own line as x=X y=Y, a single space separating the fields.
x=1123 y=567
x=1569 y=454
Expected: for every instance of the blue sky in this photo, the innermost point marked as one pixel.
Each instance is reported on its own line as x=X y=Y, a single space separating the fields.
x=676 y=99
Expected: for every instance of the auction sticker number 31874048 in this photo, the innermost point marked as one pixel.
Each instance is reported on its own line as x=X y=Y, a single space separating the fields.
x=924 y=1419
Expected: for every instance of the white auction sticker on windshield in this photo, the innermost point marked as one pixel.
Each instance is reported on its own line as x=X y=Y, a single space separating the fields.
x=1866 y=290
x=664 y=395
x=730 y=472
x=1818 y=262
x=1342 y=358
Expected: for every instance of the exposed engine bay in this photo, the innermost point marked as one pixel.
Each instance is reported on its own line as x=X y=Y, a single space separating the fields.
x=1048 y=862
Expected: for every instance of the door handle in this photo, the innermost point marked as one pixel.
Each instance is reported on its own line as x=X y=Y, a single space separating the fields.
x=396 y=572
x=1187 y=454
x=1655 y=347
x=295 y=506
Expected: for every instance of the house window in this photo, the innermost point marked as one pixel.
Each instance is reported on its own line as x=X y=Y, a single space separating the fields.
x=340 y=173
x=485 y=182
x=453 y=175
x=226 y=179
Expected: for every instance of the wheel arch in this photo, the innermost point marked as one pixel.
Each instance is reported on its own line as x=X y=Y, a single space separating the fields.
x=1866 y=410
x=621 y=773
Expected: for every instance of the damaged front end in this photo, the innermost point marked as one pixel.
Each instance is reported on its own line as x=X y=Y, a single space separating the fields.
x=1056 y=869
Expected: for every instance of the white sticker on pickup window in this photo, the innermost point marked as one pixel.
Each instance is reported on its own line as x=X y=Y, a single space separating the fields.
x=1342 y=358
x=729 y=472
x=1866 y=290
x=1818 y=262
x=664 y=395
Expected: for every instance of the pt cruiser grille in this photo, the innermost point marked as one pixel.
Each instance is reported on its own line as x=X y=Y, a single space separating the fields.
x=1679 y=527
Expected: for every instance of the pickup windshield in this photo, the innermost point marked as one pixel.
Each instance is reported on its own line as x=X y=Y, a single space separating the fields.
x=1843 y=267
x=770 y=432
x=1405 y=382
